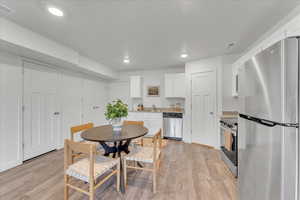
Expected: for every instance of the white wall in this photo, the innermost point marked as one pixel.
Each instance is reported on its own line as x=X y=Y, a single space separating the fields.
x=229 y=103
x=78 y=94
x=121 y=87
x=10 y=111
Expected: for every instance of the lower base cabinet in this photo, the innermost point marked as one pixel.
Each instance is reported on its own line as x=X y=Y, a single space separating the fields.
x=152 y=121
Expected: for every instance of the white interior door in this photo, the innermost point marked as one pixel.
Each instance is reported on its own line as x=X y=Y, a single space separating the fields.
x=204 y=108
x=41 y=113
x=95 y=96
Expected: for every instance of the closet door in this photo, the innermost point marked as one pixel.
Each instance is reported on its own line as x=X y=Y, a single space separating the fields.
x=94 y=101
x=41 y=110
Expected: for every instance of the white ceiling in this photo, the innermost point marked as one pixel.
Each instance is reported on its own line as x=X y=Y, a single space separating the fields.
x=153 y=33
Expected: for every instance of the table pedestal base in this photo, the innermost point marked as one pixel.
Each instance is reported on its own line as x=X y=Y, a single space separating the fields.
x=117 y=148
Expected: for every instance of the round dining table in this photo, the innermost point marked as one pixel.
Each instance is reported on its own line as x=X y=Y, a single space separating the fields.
x=115 y=142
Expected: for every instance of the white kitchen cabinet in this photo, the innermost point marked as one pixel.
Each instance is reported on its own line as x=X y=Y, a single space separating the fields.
x=175 y=85
x=168 y=85
x=135 y=86
x=152 y=121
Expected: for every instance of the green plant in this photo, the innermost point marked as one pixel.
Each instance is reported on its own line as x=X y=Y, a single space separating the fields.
x=116 y=109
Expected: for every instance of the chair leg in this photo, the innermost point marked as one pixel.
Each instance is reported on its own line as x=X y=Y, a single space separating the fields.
x=154 y=178
x=92 y=191
x=159 y=161
x=125 y=172
x=92 y=196
x=66 y=188
x=118 y=177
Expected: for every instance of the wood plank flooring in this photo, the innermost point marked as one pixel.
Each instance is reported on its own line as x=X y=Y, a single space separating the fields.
x=188 y=172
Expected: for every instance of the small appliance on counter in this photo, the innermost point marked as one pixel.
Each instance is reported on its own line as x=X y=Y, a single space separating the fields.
x=140 y=107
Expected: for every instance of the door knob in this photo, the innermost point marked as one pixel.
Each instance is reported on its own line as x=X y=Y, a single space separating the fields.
x=211 y=113
x=56 y=113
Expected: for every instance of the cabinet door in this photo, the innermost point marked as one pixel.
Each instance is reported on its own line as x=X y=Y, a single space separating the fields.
x=179 y=85
x=168 y=85
x=153 y=126
x=135 y=87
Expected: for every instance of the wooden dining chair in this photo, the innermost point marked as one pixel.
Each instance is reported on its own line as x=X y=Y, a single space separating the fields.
x=138 y=141
x=148 y=155
x=77 y=129
x=88 y=169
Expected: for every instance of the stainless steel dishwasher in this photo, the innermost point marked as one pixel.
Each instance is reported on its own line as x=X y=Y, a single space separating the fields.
x=173 y=125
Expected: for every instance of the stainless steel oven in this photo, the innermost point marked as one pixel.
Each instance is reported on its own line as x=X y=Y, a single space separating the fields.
x=229 y=143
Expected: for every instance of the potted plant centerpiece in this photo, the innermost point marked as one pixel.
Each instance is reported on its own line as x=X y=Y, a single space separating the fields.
x=114 y=113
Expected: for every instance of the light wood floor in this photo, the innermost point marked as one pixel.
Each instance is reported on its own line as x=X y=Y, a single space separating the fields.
x=188 y=172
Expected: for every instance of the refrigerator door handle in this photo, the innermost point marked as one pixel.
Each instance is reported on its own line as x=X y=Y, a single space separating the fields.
x=268 y=122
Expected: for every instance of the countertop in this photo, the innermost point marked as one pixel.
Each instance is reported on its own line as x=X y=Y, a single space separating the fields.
x=229 y=114
x=159 y=110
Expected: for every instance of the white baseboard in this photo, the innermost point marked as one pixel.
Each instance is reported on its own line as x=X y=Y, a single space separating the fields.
x=9 y=165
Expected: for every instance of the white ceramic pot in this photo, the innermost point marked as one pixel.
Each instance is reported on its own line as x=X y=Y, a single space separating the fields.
x=116 y=124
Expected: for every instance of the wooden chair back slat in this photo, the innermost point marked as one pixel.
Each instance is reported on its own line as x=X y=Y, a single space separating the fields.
x=141 y=123
x=133 y=123
x=76 y=129
x=78 y=147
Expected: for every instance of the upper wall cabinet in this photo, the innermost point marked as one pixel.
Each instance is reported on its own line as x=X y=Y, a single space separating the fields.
x=135 y=86
x=175 y=85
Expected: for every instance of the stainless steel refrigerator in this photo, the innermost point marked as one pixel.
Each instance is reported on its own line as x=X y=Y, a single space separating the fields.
x=268 y=124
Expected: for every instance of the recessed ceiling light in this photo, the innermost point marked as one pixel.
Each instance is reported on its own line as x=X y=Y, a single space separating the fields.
x=184 y=55
x=56 y=11
x=126 y=60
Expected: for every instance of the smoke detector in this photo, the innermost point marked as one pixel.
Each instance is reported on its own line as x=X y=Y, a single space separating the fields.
x=4 y=9
x=230 y=45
